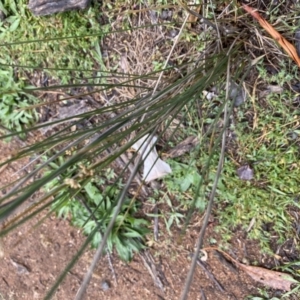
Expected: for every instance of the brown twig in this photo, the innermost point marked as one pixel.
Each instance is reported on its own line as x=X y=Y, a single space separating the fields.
x=150 y=266
x=203 y=297
x=211 y=276
x=155 y=230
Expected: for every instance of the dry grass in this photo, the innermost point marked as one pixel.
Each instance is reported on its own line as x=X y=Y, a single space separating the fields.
x=135 y=53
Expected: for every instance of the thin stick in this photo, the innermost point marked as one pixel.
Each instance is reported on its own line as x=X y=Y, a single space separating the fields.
x=150 y=266
x=169 y=56
x=203 y=297
x=211 y=276
x=155 y=230
x=210 y=202
x=111 y=267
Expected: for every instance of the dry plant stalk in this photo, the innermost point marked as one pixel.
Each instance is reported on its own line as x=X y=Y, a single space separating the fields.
x=287 y=46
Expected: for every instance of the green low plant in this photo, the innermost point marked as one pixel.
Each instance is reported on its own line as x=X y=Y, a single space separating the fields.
x=171 y=215
x=291 y=268
x=269 y=144
x=183 y=183
x=128 y=233
x=15 y=111
x=93 y=207
x=62 y=45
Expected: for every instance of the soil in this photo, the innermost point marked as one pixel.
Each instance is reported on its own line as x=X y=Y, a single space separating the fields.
x=32 y=258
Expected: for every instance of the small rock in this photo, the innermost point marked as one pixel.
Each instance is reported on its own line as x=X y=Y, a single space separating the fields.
x=1 y=250
x=245 y=173
x=20 y=268
x=245 y=261
x=173 y=33
x=237 y=94
x=48 y=7
x=105 y=285
x=166 y=14
x=296 y=86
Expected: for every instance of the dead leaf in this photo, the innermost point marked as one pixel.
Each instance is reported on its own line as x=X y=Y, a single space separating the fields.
x=64 y=114
x=185 y=146
x=272 y=279
x=205 y=256
x=275 y=89
x=287 y=46
x=193 y=18
x=124 y=64
x=20 y=268
x=154 y=167
x=252 y=222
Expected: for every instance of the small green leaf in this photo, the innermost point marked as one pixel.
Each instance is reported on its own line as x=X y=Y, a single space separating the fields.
x=14 y=25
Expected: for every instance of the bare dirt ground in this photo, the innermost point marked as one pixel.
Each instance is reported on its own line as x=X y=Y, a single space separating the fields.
x=32 y=257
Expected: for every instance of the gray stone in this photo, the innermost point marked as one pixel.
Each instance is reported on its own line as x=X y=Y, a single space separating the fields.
x=245 y=173
x=48 y=7
x=105 y=285
x=237 y=94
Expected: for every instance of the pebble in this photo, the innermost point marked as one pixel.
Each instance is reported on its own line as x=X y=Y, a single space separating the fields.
x=245 y=173
x=166 y=14
x=105 y=285
x=173 y=33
